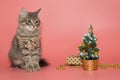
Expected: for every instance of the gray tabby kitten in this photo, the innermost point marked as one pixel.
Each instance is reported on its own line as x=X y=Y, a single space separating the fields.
x=25 y=49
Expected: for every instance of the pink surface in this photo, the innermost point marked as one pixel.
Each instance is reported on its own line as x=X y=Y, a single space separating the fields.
x=63 y=24
x=50 y=73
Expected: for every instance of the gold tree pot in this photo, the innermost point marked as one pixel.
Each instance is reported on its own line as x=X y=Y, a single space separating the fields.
x=90 y=65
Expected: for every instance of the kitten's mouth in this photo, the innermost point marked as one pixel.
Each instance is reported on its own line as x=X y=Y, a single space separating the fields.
x=30 y=28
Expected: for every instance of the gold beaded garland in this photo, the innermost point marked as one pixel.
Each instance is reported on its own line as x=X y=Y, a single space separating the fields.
x=102 y=66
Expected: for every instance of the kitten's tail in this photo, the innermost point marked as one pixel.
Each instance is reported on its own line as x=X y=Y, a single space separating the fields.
x=43 y=63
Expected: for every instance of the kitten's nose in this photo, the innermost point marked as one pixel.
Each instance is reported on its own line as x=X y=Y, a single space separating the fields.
x=33 y=24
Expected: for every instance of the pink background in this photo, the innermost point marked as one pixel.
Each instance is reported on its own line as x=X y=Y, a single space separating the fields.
x=63 y=24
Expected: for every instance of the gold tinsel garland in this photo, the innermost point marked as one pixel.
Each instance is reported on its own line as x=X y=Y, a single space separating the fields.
x=102 y=66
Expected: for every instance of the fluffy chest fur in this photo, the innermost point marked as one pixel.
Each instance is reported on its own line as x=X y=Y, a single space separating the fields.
x=29 y=43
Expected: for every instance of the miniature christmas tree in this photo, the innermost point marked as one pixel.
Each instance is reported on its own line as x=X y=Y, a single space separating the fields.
x=88 y=49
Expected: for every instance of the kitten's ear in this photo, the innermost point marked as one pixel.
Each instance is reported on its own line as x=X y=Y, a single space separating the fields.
x=37 y=12
x=23 y=12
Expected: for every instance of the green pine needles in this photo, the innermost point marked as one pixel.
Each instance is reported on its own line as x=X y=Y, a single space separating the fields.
x=88 y=49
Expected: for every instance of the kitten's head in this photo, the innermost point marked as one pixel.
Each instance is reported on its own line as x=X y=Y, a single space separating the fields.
x=29 y=20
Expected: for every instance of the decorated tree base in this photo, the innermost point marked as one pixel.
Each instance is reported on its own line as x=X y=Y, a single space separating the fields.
x=90 y=65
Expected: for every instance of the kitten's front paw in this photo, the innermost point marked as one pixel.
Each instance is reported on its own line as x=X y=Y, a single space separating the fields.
x=29 y=68
x=32 y=67
x=36 y=67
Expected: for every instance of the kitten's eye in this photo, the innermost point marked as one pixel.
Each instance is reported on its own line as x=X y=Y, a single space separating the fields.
x=37 y=22
x=29 y=20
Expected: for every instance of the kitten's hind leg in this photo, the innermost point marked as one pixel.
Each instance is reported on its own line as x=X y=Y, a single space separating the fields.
x=16 y=63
